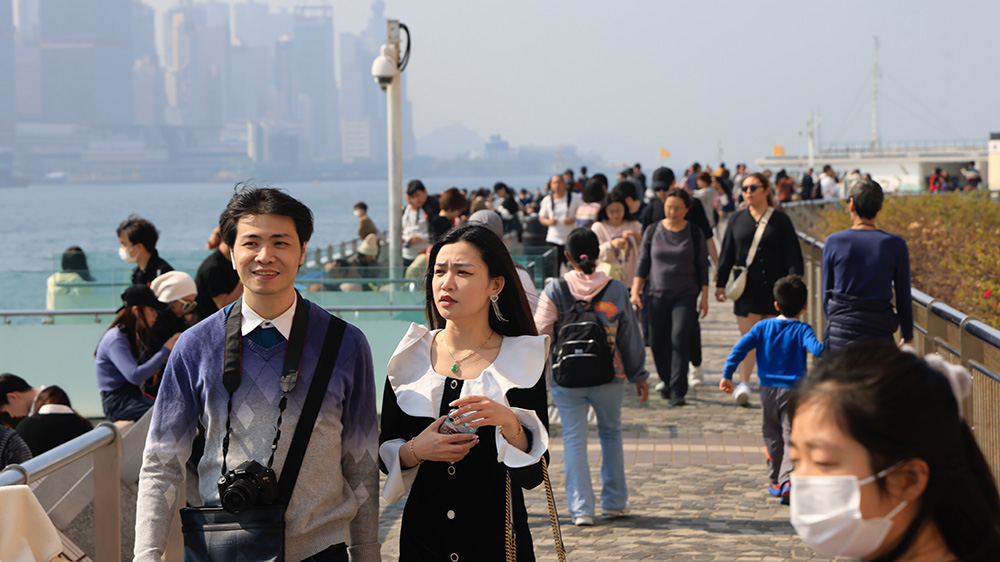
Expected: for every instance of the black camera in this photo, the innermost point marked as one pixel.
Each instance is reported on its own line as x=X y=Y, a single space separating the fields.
x=247 y=485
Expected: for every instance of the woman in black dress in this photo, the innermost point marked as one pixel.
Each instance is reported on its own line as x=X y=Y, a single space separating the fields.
x=777 y=255
x=483 y=359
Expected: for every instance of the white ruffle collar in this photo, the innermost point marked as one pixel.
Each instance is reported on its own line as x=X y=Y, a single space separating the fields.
x=419 y=387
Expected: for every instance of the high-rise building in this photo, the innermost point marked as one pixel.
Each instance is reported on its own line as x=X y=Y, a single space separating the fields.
x=197 y=65
x=314 y=80
x=8 y=73
x=86 y=61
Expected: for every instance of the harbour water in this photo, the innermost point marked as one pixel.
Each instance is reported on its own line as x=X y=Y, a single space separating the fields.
x=38 y=222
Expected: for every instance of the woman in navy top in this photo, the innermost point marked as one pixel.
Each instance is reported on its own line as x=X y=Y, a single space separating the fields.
x=863 y=269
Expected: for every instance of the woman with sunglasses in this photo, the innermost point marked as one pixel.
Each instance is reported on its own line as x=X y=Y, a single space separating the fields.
x=778 y=255
x=179 y=291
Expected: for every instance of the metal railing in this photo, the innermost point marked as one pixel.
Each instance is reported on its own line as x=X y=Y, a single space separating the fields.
x=938 y=328
x=104 y=442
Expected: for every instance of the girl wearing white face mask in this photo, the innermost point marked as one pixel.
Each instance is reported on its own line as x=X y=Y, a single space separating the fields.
x=885 y=467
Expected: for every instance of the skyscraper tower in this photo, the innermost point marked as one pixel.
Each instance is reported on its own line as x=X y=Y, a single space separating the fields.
x=314 y=79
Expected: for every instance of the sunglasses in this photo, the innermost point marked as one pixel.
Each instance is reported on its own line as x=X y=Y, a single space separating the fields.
x=187 y=306
x=752 y=188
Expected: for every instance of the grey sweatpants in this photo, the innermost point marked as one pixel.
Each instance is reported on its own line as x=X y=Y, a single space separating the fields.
x=777 y=431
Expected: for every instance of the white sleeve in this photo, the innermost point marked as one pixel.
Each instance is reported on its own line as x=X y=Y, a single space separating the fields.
x=514 y=457
x=399 y=479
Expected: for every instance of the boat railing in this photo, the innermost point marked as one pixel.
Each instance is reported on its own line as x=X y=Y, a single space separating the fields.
x=958 y=337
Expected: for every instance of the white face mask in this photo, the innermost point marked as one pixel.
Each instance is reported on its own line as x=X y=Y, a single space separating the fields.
x=826 y=514
x=357 y=212
x=126 y=255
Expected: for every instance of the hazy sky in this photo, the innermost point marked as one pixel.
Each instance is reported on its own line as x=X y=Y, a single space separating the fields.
x=625 y=77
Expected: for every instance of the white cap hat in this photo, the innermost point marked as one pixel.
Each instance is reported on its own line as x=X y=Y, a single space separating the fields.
x=173 y=285
x=489 y=219
x=369 y=246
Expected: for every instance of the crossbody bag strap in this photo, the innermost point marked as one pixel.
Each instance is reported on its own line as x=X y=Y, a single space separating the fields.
x=310 y=410
x=757 y=235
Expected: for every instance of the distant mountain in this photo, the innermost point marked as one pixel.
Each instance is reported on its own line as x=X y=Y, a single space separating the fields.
x=449 y=142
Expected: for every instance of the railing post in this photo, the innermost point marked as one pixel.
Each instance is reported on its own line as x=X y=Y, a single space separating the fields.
x=107 y=498
x=936 y=328
x=971 y=349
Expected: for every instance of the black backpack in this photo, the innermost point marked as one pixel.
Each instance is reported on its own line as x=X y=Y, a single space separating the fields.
x=581 y=356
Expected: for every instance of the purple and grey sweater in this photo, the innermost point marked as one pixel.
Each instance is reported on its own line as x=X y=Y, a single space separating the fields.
x=336 y=494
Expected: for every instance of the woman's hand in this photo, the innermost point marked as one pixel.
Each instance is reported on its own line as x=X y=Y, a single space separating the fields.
x=703 y=304
x=636 y=300
x=635 y=235
x=169 y=344
x=720 y=294
x=431 y=445
x=483 y=411
x=619 y=243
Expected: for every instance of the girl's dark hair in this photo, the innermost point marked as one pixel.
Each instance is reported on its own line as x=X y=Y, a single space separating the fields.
x=51 y=395
x=900 y=408
x=73 y=259
x=583 y=248
x=680 y=193
x=616 y=196
x=593 y=191
x=512 y=301
x=138 y=336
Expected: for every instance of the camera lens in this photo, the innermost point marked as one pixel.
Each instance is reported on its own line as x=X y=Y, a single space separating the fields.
x=239 y=496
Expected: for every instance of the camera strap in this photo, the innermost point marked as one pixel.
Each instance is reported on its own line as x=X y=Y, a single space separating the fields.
x=232 y=365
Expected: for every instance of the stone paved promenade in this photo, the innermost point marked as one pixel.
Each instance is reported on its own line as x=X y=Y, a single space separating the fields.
x=696 y=476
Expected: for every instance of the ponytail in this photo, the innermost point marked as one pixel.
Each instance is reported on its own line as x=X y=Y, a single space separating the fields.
x=583 y=249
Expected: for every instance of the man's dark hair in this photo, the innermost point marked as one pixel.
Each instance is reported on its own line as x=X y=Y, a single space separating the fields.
x=500 y=185
x=696 y=167
x=138 y=230
x=790 y=293
x=626 y=189
x=415 y=186
x=972 y=163
x=568 y=171
x=868 y=197
x=601 y=178
x=705 y=177
x=249 y=200
x=11 y=383
x=827 y=168
x=361 y=205
x=583 y=170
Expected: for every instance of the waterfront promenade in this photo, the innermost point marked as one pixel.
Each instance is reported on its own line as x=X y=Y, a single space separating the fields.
x=696 y=478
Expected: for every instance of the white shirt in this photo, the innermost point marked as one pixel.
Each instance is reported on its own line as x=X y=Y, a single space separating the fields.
x=283 y=322
x=559 y=209
x=828 y=186
x=415 y=224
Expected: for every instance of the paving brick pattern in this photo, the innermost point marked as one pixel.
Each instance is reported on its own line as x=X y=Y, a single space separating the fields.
x=696 y=475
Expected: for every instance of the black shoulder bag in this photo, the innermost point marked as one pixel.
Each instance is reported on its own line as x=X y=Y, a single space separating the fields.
x=258 y=532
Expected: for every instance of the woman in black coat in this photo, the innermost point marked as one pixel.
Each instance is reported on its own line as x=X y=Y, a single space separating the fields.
x=777 y=255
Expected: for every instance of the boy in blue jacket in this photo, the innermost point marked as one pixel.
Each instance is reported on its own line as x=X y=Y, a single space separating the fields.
x=781 y=345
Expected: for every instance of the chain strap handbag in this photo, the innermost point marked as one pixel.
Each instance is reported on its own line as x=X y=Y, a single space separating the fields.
x=553 y=519
x=737 y=275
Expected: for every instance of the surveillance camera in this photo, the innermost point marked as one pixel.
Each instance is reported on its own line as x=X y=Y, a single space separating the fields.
x=385 y=68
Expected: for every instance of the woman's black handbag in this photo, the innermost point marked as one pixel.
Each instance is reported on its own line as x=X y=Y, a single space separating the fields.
x=258 y=533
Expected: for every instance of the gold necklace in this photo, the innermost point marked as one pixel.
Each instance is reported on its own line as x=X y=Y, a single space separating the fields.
x=454 y=367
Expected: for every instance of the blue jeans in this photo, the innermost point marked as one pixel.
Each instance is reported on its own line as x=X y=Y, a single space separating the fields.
x=573 y=404
x=126 y=403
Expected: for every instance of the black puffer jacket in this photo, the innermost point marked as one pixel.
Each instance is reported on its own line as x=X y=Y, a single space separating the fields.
x=850 y=319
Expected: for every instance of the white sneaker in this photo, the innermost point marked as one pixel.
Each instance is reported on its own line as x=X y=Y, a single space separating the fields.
x=695 y=376
x=742 y=394
x=659 y=386
x=623 y=512
x=583 y=521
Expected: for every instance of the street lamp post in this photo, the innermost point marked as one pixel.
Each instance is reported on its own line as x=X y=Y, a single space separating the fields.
x=387 y=69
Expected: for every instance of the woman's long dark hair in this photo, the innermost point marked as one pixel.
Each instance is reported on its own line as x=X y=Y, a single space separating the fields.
x=138 y=336
x=900 y=408
x=74 y=260
x=615 y=196
x=512 y=300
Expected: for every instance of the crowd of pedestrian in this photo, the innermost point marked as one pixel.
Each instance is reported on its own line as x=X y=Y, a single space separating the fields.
x=228 y=357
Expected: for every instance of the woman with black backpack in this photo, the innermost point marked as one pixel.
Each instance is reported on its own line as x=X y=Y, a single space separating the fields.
x=597 y=345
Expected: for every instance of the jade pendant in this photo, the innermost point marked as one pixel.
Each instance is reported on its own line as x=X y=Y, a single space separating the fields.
x=454 y=368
